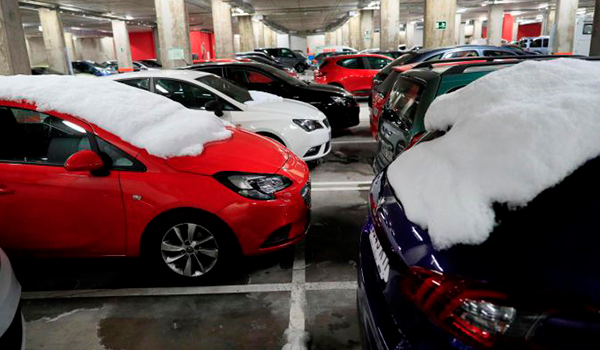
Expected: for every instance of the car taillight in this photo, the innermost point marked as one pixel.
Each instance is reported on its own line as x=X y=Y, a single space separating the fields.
x=473 y=314
x=415 y=139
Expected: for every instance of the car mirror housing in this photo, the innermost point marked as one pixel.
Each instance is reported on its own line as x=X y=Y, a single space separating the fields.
x=214 y=106
x=85 y=160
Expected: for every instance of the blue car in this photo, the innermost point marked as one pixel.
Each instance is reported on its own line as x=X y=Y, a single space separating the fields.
x=534 y=284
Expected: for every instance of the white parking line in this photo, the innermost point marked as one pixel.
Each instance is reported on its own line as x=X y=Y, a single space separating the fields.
x=296 y=335
x=337 y=189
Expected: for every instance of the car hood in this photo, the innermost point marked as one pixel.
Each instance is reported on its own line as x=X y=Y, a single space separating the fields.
x=325 y=88
x=243 y=152
x=286 y=107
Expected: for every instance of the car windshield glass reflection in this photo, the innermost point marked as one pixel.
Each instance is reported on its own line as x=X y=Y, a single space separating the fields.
x=227 y=88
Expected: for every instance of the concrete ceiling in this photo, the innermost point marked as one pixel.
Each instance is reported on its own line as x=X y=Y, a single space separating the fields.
x=302 y=16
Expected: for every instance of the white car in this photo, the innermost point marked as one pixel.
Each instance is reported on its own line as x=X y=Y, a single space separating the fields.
x=299 y=126
x=12 y=327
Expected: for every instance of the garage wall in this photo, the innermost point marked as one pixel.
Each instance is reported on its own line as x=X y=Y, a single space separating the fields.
x=37 y=51
x=298 y=43
x=283 y=40
x=203 y=44
x=507 y=27
x=142 y=45
x=531 y=29
x=95 y=49
x=315 y=43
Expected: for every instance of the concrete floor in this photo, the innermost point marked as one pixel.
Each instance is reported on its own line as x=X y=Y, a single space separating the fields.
x=116 y=304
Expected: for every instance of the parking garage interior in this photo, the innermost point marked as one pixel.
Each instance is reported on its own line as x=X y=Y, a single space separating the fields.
x=304 y=295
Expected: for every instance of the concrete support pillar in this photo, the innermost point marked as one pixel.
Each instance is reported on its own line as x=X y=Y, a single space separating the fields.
x=268 y=37
x=339 y=36
x=461 y=34
x=437 y=12
x=246 y=33
x=122 y=47
x=367 y=29
x=346 y=34
x=173 y=33
x=410 y=34
x=595 y=46
x=156 y=44
x=494 y=25
x=72 y=54
x=221 y=13
x=389 y=25
x=566 y=17
x=54 y=41
x=457 y=21
x=477 y=29
x=355 y=37
x=13 y=48
x=259 y=34
x=273 y=38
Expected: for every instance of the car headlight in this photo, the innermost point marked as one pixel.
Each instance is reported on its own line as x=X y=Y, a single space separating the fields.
x=254 y=186
x=308 y=124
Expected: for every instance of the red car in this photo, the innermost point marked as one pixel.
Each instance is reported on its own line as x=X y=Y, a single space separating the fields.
x=352 y=72
x=69 y=188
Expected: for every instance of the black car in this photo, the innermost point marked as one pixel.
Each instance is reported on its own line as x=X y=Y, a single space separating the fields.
x=287 y=57
x=391 y=54
x=444 y=53
x=337 y=104
x=268 y=61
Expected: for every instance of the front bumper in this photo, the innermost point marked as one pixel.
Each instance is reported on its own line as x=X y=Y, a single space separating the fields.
x=255 y=222
x=316 y=144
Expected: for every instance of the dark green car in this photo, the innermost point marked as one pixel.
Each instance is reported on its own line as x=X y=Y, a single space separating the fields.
x=403 y=114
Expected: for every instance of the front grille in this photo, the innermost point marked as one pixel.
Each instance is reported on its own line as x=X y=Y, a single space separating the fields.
x=326 y=122
x=306 y=194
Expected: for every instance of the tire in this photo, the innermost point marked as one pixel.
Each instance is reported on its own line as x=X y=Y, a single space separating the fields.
x=191 y=247
x=299 y=68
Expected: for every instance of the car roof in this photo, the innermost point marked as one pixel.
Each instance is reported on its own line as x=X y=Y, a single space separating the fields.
x=180 y=74
x=341 y=57
x=220 y=64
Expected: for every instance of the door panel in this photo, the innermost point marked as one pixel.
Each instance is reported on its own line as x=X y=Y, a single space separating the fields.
x=47 y=210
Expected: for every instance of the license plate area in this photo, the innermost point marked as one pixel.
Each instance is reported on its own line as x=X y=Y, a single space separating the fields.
x=381 y=259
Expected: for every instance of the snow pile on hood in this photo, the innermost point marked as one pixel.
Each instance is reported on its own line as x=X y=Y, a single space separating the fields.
x=514 y=133
x=259 y=97
x=163 y=127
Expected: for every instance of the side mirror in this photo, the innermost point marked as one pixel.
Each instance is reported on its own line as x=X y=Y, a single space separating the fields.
x=214 y=106
x=85 y=160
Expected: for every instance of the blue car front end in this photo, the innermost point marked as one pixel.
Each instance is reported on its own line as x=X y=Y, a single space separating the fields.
x=533 y=285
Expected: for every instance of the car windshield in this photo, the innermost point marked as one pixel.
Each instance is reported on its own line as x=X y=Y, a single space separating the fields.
x=151 y=64
x=227 y=88
x=283 y=76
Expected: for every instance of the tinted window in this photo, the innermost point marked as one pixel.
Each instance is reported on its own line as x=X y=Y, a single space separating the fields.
x=434 y=58
x=227 y=88
x=536 y=43
x=587 y=28
x=37 y=138
x=385 y=87
x=545 y=43
x=189 y=95
x=495 y=53
x=287 y=53
x=377 y=63
x=214 y=70
x=352 y=63
x=143 y=84
x=460 y=54
x=404 y=99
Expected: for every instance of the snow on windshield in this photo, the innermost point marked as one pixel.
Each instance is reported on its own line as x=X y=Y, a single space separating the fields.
x=259 y=97
x=146 y=120
x=514 y=133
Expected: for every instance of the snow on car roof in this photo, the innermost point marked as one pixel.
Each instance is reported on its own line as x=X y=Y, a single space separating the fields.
x=146 y=120
x=512 y=134
x=166 y=73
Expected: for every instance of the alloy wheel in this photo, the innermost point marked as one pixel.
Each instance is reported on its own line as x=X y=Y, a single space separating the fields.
x=189 y=250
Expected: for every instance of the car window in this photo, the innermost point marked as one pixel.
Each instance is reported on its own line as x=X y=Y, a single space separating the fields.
x=143 y=84
x=495 y=53
x=214 y=70
x=189 y=95
x=36 y=138
x=434 y=58
x=352 y=63
x=258 y=78
x=377 y=62
x=404 y=100
x=227 y=88
x=460 y=54
x=239 y=76
x=536 y=43
x=544 y=42
x=287 y=53
x=587 y=28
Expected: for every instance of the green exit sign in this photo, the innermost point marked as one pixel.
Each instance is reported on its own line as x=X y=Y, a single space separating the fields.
x=442 y=25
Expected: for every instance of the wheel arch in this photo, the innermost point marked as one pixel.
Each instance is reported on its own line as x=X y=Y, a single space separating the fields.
x=222 y=225
x=273 y=136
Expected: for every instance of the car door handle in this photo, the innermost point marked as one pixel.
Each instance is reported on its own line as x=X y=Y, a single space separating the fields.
x=4 y=190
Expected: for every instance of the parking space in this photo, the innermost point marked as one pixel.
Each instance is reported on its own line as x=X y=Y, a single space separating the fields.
x=118 y=304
